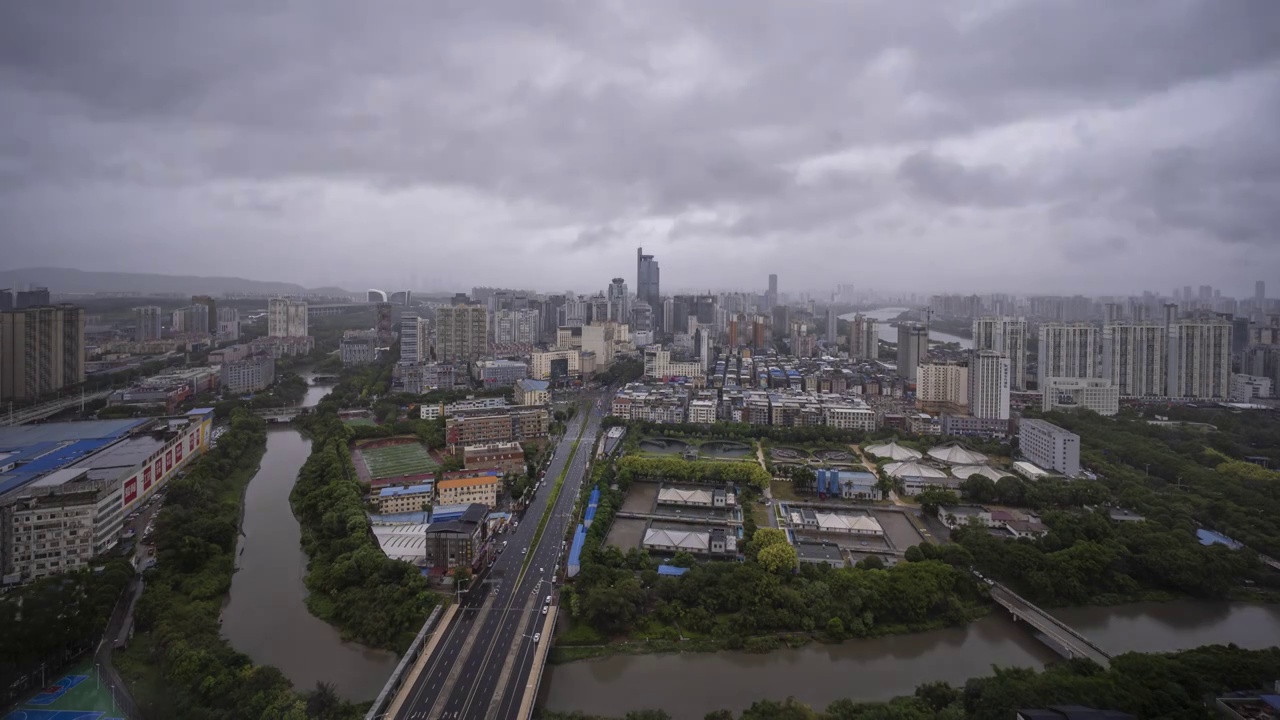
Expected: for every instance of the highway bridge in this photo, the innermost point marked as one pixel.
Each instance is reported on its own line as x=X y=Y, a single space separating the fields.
x=483 y=662
x=1052 y=631
x=49 y=409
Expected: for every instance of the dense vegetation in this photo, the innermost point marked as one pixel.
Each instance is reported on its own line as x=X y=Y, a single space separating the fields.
x=622 y=371
x=1178 y=478
x=179 y=665
x=673 y=469
x=1172 y=686
x=53 y=620
x=1187 y=475
x=747 y=604
x=371 y=598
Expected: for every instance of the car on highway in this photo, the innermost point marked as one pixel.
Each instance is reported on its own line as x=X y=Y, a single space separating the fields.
x=524 y=551
x=545 y=608
x=537 y=637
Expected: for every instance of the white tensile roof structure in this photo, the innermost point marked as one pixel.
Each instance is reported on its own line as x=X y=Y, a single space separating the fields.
x=403 y=542
x=956 y=455
x=964 y=471
x=832 y=522
x=695 y=541
x=893 y=451
x=690 y=497
x=913 y=469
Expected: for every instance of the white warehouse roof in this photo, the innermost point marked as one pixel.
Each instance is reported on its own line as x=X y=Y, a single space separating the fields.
x=893 y=451
x=403 y=542
x=913 y=469
x=956 y=455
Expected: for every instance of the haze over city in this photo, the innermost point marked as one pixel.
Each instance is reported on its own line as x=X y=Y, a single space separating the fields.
x=648 y=360
x=1010 y=146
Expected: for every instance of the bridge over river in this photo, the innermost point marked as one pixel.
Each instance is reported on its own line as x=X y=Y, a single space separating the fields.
x=1052 y=632
x=280 y=414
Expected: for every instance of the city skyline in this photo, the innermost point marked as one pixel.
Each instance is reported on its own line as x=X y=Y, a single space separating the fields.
x=944 y=147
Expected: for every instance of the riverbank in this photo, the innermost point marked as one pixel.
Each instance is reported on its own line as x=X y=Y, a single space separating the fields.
x=178 y=663
x=879 y=669
x=667 y=640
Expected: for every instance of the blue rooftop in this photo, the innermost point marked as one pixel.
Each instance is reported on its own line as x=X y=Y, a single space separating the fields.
x=1209 y=537
x=409 y=490
x=531 y=384
x=201 y=411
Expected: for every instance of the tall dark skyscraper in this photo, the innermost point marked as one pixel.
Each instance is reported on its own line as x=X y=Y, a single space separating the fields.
x=647 y=286
x=771 y=297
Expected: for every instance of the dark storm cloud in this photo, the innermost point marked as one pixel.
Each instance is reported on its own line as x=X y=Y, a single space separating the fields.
x=580 y=120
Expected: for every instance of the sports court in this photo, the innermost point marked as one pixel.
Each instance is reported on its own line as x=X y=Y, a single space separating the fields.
x=75 y=696
x=393 y=458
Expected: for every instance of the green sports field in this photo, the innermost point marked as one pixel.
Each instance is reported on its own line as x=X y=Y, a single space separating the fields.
x=398 y=460
x=76 y=695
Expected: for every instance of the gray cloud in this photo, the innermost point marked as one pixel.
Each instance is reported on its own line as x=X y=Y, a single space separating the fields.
x=348 y=125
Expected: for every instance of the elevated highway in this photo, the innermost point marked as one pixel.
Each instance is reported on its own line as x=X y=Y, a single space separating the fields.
x=486 y=664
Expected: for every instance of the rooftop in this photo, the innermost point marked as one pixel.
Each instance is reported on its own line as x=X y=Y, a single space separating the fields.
x=409 y=490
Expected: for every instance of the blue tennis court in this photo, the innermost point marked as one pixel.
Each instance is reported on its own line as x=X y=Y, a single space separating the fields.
x=32 y=714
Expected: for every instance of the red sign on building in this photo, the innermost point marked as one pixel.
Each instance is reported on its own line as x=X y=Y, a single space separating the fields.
x=168 y=461
x=146 y=478
x=177 y=453
x=131 y=490
x=191 y=441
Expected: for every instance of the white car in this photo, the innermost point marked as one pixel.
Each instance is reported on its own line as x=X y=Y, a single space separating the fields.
x=537 y=637
x=524 y=551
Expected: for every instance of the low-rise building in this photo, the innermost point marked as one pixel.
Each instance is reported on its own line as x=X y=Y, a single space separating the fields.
x=472 y=487
x=822 y=521
x=1050 y=446
x=532 y=392
x=712 y=541
x=457 y=543
x=508 y=424
x=253 y=373
x=718 y=498
x=279 y=347
x=499 y=373
x=846 y=484
x=404 y=499
x=1247 y=388
x=913 y=485
x=503 y=457
x=970 y=426
x=556 y=365
x=1097 y=394
x=702 y=411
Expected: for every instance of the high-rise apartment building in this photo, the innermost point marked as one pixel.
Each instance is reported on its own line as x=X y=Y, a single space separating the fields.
x=462 y=333
x=647 y=280
x=1133 y=358
x=32 y=297
x=619 y=302
x=6 y=299
x=228 y=324
x=148 y=323
x=989 y=381
x=415 y=343
x=832 y=324
x=1260 y=293
x=286 y=318
x=515 y=326
x=210 y=314
x=1008 y=337
x=913 y=349
x=942 y=387
x=771 y=296
x=1067 y=350
x=41 y=350
x=864 y=338
x=1199 y=360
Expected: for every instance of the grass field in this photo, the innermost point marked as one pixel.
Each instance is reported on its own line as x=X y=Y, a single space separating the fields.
x=78 y=695
x=398 y=460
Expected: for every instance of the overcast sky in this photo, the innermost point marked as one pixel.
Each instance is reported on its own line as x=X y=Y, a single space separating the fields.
x=1059 y=146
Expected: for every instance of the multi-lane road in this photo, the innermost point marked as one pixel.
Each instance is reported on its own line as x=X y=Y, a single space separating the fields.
x=480 y=667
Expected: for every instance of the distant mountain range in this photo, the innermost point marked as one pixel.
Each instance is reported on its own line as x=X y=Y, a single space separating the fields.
x=66 y=280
